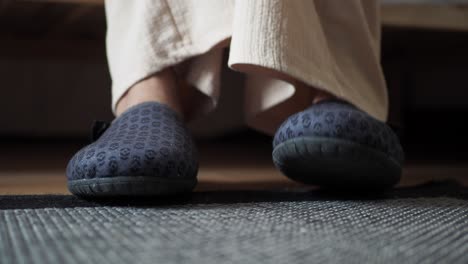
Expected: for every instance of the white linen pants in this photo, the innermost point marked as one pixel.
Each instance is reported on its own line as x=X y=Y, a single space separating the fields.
x=331 y=45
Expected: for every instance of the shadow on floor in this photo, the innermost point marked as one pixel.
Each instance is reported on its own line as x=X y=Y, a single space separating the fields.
x=431 y=189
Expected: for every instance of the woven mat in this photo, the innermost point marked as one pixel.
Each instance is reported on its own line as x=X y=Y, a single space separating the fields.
x=239 y=227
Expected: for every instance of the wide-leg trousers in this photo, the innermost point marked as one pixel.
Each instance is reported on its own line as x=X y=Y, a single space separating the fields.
x=330 y=45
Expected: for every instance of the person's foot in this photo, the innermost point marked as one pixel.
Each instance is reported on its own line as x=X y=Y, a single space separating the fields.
x=147 y=150
x=161 y=87
x=334 y=144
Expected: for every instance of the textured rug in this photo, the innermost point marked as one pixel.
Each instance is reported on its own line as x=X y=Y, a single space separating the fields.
x=427 y=224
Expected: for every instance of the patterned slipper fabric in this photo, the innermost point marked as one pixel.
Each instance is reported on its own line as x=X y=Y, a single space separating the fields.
x=334 y=144
x=146 y=151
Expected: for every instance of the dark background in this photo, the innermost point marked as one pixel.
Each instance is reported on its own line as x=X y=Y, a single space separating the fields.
x=55 y=82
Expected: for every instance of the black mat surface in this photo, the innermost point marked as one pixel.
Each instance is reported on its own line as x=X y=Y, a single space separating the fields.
x=424 y=224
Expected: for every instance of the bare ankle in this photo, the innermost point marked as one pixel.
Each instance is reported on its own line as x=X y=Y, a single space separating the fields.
x=161 y=87
x=322 y=96
x=316 y=95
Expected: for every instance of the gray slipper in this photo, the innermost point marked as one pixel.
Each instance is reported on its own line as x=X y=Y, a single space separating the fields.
x=146 y=151
x=334 y=144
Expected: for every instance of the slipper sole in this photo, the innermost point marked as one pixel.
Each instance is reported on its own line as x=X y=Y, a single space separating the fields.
x=336 y=163
x=130 y=186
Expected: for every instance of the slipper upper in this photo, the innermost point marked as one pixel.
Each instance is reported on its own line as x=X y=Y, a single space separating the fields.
x=148 y=139
x=340 y=120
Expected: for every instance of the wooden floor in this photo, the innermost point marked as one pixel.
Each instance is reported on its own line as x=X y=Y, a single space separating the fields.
x=39 y=168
